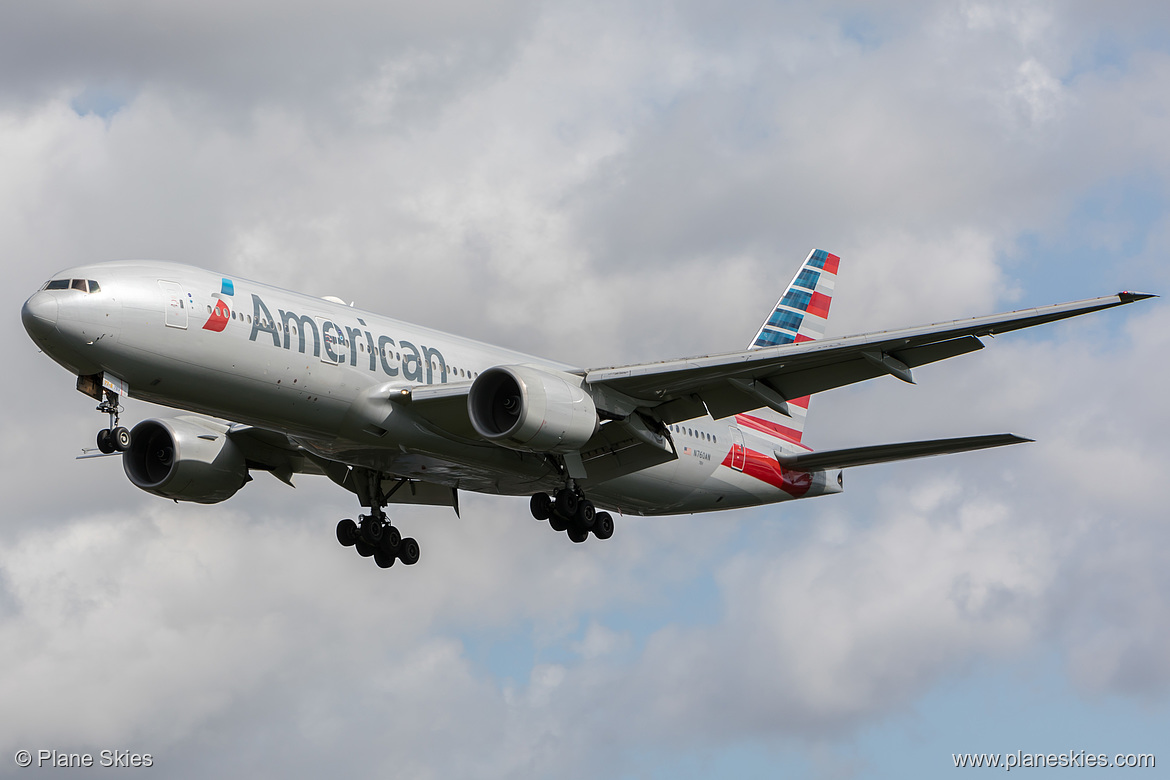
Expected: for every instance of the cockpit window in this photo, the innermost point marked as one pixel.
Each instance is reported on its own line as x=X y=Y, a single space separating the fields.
x=85 y=285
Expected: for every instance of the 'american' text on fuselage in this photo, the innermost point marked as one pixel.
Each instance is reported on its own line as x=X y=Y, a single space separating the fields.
x=416 y=362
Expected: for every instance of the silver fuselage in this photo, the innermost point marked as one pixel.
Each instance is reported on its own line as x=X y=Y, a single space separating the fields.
x=319 y=371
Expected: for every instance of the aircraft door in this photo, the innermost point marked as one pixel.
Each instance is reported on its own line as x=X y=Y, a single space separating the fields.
x=175 y=304
x=738 y=453
x=330 y=344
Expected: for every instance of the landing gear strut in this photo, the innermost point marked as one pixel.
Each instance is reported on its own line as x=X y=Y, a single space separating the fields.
x=115 y=438
x=373 y=535
x=570 y=512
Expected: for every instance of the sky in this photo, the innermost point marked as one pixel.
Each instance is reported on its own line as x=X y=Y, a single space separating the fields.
x=604 y=183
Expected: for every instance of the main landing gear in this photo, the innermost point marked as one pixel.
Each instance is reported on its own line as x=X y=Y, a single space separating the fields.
x=373 y=535
x=115 y=438
x=572 y=513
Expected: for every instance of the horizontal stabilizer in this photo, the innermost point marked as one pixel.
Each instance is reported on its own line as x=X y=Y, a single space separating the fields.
x=884 y=453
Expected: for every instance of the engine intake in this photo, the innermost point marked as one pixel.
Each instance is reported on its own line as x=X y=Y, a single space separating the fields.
x=532 y=409
x=185 y=459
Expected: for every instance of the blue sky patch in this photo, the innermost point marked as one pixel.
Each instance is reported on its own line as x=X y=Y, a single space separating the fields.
x=103 y=101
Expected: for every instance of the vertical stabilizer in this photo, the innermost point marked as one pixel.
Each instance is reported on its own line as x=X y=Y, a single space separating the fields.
x=799 y=315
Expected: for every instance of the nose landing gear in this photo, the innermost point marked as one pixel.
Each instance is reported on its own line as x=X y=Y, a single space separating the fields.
x=115 y=438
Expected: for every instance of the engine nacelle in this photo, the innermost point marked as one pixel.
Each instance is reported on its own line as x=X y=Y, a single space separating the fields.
x=532 y=409
x=185 y=459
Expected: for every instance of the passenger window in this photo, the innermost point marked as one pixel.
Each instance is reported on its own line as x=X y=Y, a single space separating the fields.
x=58 y=284
x=79 y=284
x=94 y=287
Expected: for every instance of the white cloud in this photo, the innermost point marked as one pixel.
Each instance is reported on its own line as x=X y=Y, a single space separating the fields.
x=598 y=185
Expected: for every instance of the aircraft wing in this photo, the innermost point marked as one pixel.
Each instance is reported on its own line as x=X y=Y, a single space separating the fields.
x=727 y=384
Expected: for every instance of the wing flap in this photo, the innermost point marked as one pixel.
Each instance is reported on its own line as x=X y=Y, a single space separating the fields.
x=930 y=353
x=272 y=451
x=416 y=492
x=620 y=448
x=442 y=406
x=886 y=453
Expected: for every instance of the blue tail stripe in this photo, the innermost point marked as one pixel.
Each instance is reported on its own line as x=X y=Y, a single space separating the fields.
x=807 y=279
x=797 y=299
x=772 y=338
x=788 y=320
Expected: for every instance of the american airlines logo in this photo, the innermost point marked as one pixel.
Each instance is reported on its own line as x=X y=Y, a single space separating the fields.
x=336 y=343
x=222 y=311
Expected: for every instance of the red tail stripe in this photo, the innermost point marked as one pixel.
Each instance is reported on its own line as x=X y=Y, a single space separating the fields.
x=819 y=304
x=759 y=466
x=831 y=263
x=769 y=427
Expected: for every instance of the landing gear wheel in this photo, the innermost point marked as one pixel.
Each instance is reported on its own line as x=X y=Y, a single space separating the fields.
x=567 y=502
x=364 y=549
x=578 y=535
x=121 y=439
x=372 y=531
x=391 y=538
x=347 y=532
x=585 y=516
x=603 y=525
x=541 y=506
x=105 y=444
x=557 y=523
x=408 y=551
x=384 y=559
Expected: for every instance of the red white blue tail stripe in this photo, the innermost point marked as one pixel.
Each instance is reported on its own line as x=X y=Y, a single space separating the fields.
x=800 y=315
x=802 y=311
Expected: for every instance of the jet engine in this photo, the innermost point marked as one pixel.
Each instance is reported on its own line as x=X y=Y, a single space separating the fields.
x=532 y=409
x=185 y=459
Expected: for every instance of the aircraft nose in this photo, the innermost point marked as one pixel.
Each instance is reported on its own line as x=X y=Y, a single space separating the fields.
x=39 y=314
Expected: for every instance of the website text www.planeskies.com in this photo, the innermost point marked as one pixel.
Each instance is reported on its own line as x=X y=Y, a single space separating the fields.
x=1069 y=759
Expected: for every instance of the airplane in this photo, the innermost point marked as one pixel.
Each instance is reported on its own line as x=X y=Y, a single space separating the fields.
x=398 y=413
